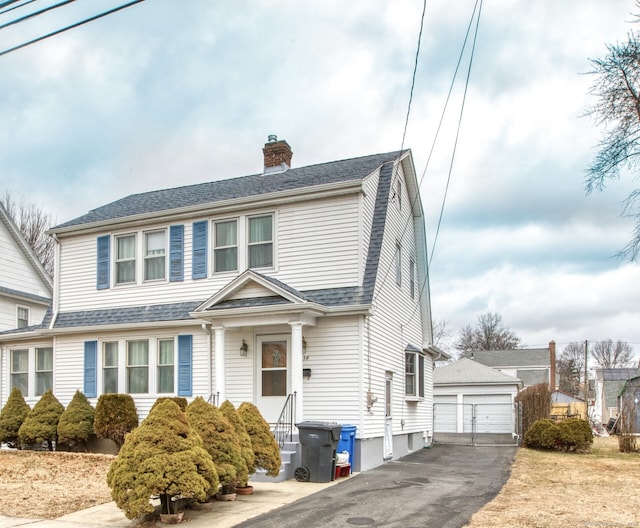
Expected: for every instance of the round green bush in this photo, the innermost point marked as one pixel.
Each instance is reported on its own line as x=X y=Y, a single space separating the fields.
x=41 y=424
x=164 y=458
x=543 y=434
x=181 y=401
x=76 y=422
x=12 y=416
x=246 y=449
x=221 y=441
x=116 y=415
x=575 y=434
x=263 y=442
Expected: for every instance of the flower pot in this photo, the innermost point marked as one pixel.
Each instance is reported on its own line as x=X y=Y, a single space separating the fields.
x=171 y=518
x=244 y=490
x=225 y=496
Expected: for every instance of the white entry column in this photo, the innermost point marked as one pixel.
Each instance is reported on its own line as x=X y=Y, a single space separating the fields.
x=220 y=361
x=296 y=368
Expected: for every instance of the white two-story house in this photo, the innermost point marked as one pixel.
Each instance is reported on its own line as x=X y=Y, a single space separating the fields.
x=303 y=285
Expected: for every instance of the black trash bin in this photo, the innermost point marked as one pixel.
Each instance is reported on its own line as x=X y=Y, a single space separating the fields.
x=319 y=441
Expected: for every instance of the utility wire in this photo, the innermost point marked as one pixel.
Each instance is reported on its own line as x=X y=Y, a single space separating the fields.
x=473 y=16
x=16 y=7
x=36 y=13
x=453 y=154
x=67 y=28
x=7 y=2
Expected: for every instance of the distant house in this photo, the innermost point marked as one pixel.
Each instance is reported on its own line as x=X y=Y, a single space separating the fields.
x=298 y=289
x=471 y=398
x=609 y=384
x=530 y=365
x=629 y=405
x=25 y=287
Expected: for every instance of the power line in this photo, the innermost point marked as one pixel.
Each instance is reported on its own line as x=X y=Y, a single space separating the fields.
x=67 y=28
x=17 y=7
x=36 y=13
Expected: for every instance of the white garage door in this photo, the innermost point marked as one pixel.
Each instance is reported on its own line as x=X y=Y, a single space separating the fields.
x=494 y=412
x=445 y=414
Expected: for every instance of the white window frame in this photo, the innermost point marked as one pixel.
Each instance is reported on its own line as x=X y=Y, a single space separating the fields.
x=13 y=373
x=108 y=368
x=418 y=359
x=125 y=260
x=137 y=366
x=18 y=318
x=264 y=242
x=148 y=257
x=160 y=365
x=398 y=264
x=43 y=372
x=217 y=247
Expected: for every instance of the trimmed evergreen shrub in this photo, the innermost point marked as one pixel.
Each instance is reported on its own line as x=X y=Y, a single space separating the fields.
x=181 y=401
x=543 y=434
x=263 y=442
x=246 y=449
x=116 y=415
x=12 y=416
x=221 y=442
x=164 y=458
x=41 y=424
x=575 y=434
x=76 y=422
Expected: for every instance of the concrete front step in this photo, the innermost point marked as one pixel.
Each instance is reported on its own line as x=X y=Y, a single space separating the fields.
x=290 y=455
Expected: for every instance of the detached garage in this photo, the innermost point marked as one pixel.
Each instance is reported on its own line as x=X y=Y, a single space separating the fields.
x=474 y=404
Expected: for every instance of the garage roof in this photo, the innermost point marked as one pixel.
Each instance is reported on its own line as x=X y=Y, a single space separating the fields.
x=466 y=371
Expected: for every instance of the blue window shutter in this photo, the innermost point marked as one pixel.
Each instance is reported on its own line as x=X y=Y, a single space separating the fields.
x=176 y=253
x=103 y=262
x=199 y=265
x=90 y=369
x=185 y=346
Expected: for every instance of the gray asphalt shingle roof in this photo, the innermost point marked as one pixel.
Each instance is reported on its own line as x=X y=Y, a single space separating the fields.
x=468 y=371
x=242 y=187
x=519 y=357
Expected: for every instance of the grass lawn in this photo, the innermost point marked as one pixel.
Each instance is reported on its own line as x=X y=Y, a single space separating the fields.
x=600 y=489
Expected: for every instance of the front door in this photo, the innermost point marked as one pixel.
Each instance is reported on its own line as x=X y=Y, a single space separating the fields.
x=273 y=359
x=388 y=420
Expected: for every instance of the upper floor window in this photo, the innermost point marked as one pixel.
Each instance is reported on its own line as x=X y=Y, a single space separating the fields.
x=20 y=370
x=138 y=367
x=154 y=255
x=125 y=259
x=44 y=370
x=260 y=244
x=412 y=278
x=22 y=317
x=226 y=246
x=110 y=367
x=398 y=262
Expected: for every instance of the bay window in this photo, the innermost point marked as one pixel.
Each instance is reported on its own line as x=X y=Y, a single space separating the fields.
x=413 y=373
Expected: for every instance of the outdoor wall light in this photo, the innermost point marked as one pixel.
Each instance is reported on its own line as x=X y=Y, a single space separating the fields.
x=306 y=373
x=244 y=348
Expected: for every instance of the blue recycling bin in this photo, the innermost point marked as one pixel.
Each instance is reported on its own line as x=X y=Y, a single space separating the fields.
x=347 y=441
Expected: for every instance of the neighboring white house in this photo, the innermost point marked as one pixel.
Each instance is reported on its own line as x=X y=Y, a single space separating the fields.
x=25 y=287
x=25 y=296
x=304 y=281
x=471 y=398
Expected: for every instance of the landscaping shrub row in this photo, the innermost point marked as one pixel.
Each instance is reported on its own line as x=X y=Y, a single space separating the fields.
x=573 y=434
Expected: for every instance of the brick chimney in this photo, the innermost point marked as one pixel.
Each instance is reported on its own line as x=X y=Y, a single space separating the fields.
x=277 y=155
x=552 y=366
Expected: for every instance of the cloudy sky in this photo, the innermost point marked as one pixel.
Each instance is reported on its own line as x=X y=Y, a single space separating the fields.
x=167 y=93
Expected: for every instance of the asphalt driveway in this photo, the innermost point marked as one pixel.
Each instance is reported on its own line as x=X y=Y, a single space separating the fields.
x=440 y=487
